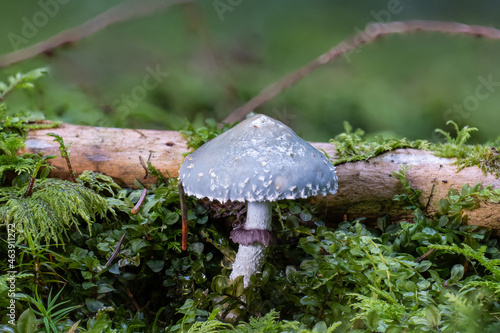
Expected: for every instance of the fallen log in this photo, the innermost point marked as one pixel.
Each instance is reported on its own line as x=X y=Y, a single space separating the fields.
x=366 y=188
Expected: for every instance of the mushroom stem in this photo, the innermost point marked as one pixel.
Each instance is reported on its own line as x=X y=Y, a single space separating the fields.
x=250 y=258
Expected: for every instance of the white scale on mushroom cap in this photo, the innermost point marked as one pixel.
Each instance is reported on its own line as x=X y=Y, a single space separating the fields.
x=260 y=160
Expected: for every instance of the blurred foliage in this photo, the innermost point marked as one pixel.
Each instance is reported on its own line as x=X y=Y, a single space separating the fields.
x=404 y=84
x=13 y=127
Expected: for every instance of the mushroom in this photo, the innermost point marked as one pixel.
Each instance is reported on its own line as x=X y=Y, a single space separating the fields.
x=259 y=161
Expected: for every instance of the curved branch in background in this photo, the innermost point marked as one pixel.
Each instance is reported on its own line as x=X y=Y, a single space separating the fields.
x=371 y=33
x=120 y=13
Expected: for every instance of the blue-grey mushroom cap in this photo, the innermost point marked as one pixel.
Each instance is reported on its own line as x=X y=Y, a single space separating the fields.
x=260 y=159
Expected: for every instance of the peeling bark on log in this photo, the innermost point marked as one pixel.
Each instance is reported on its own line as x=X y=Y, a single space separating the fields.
x=366 y=188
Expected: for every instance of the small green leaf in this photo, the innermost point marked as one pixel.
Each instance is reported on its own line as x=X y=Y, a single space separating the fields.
x=268 y=272
x=238 y=286
x=320 y=327
x=457 y=272
x=155 y=265
x=309 y=265
x=429 y=231
x=423 y=266
x=138 y=244
x=443 y=221
x=104 y=288
x=197 y=248
x=219 y=283
x=88 y=285
x=294 y=209
x=305 y=216
x=372 y=320
x=432 y=315
x=168 y=217
x=93 y=305
x=310 y=300
x=443 y=206
x=410 y=286
x=27 y=322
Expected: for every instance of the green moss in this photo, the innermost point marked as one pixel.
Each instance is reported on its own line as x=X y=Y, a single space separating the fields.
x=196 y=137
x=13 y=128
x=352 y=146
x=54 y=208
x=485 y=156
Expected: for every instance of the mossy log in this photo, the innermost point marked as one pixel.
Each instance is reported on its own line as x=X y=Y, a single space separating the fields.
x=366 y=188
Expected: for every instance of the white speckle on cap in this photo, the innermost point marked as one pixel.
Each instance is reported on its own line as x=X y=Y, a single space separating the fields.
x=280 y=183
x=200 y=174
x=190 y=166
x=261 y=178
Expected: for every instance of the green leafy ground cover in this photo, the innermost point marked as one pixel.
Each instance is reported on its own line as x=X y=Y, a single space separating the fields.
x=85 y=263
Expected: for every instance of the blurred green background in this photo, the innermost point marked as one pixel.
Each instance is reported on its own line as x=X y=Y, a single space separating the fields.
x=218 y=54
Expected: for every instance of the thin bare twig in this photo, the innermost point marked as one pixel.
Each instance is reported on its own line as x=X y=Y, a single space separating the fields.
x=115 y=253
x=72 y=174
x=370 y=34
x=140 y=202
x=122 y=12
x=425 y=255
x=184 y=215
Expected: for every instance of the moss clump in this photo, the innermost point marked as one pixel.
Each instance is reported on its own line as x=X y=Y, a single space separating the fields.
x=13 y=128
x=352 y=146
x=485 y=156
x=196 y=137
x=54 y=208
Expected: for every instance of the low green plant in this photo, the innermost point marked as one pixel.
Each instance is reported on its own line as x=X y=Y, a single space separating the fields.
x=352 y=146
x=99 y=183
x=40 y=262
x=65 y=153
x=485 y=156
x=196 y=137
x=20 y=81
x=54 y=207
x=410 y=196
x=13 y=128
x=50 y=311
